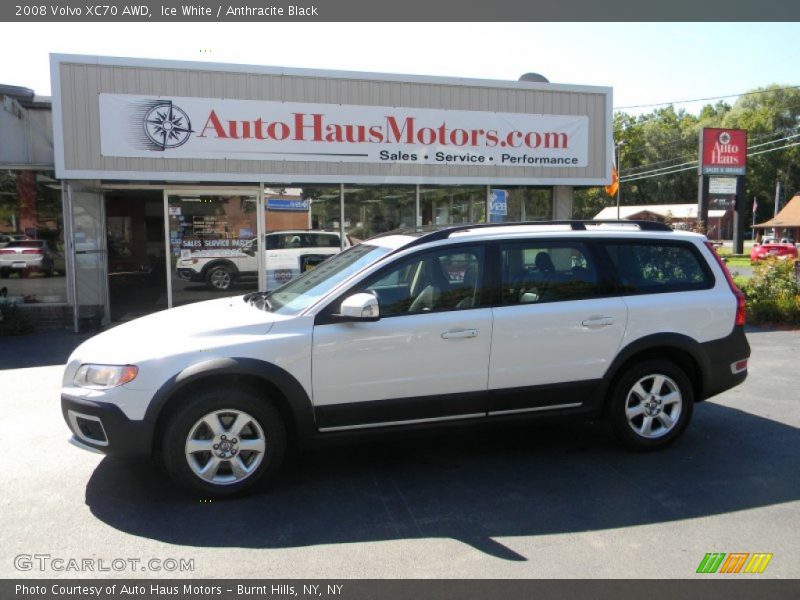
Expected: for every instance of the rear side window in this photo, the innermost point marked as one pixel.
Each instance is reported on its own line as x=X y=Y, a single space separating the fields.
x=546 y=271
x=659 y=267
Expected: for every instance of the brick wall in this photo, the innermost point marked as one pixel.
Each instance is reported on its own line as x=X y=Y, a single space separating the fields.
x=49 y=316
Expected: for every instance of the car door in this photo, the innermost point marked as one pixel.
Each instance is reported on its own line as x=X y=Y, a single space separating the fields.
x=557 y=326
x=425 y=359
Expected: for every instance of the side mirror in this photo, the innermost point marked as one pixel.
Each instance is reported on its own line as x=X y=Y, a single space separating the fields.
x=360 y=307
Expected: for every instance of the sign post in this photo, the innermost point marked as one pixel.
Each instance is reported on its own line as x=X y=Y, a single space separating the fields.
x=722 y=152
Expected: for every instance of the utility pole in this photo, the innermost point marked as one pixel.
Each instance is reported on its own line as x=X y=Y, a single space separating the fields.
x=777 y=206
x=619 y=173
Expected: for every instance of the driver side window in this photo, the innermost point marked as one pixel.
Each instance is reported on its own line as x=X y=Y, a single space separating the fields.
x=447 y=279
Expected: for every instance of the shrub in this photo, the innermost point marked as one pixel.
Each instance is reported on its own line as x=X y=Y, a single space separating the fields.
x=773 y=293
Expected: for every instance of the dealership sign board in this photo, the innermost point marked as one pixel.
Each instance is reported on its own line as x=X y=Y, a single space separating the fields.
x=183 y=127
x=722 y=185
x=723 y=151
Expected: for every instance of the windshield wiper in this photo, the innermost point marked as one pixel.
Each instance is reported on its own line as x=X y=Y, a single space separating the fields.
x=259 y=299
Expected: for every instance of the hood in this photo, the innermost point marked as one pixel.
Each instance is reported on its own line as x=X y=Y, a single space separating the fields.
x=194 y=327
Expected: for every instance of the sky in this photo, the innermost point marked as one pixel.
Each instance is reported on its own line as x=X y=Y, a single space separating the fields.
x=644 y=63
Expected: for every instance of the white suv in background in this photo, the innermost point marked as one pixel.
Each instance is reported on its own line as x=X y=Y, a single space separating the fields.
x=626 y=320
x=289 y=253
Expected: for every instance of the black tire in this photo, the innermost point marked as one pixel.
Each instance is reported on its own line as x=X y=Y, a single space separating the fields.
x=5 y=273
x=659 y=407
x=220 y=278
x=228 y=401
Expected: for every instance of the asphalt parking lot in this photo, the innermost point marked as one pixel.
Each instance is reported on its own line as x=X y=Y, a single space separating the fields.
x=525 y=502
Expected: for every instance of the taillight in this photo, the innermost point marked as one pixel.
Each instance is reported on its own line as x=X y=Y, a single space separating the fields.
x=740 y=300
x=7 y=252
x=32 y=251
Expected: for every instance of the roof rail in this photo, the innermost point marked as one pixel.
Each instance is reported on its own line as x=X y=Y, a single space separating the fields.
x=575 y=225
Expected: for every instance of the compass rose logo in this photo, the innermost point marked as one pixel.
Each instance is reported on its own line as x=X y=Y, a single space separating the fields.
x=167 y=126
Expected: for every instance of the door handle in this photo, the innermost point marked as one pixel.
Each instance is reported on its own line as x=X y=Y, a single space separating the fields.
x=459 y=333
x=598 y=322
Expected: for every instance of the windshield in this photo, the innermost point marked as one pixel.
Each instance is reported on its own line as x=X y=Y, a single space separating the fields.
x=300 y=293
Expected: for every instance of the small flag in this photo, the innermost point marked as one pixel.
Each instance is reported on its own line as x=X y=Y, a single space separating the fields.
x=755 y=205
x=612 y=188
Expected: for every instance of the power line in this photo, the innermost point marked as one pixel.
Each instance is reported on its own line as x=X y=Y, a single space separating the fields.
x=773 y=149
x=638 y=177
x=693 y=139
x=694 y=164
x=751 y=147
x=793 y=87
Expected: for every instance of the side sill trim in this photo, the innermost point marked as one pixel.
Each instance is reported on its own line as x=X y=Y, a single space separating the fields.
x=448 y=418
x=395 y=423
x=514 y=411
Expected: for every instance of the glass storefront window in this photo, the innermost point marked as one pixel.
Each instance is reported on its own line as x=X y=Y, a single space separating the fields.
x=213 y=246
x=323 y=205
x=32 y=257
x=525 y=204
x=452 y=205
x=371 y=210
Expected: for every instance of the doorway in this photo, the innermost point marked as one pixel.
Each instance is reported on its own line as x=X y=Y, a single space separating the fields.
x=137 y=283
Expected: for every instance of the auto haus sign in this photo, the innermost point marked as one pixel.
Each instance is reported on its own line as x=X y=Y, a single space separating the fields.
x=175 y=127
x=723 y=151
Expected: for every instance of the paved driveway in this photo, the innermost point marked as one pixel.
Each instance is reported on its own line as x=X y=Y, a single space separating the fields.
x=533 y=501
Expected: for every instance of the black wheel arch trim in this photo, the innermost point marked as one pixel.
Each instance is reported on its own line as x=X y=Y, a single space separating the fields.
x=675 y=341
x=297 y=400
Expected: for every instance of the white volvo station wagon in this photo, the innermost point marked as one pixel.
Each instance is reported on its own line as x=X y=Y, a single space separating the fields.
x=630 y=321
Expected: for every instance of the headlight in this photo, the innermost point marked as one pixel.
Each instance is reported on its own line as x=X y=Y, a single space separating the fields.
x=102 y=377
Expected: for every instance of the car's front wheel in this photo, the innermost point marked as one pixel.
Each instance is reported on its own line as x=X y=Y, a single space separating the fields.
x=224 y=441
x=651 y=404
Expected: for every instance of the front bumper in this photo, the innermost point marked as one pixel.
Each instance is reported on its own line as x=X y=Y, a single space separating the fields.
x=105 y=428
x=189 y=274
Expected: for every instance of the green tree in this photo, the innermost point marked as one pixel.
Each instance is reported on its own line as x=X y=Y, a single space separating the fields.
x=667 y=140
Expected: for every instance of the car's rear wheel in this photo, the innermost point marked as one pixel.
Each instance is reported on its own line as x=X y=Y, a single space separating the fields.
x=224 y=441
x=220 y=278
x=651 y=404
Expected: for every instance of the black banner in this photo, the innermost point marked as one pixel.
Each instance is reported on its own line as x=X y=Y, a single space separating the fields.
x=225 y=589
x=389 y=10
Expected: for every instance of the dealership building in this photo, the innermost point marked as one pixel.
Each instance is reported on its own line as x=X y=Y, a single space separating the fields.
x=134 y=165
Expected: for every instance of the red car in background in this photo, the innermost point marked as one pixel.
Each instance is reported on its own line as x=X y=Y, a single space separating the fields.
x=773 y=250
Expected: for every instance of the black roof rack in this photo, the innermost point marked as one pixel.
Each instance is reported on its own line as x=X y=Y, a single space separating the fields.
x=575 y=225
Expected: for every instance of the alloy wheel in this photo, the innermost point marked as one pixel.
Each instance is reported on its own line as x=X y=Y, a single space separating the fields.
x=220 y=278
x=225 y=446
x=653 y=406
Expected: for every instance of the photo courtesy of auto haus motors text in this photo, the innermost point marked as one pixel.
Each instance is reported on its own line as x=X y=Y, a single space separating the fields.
x=177 y=591
x=137 y=126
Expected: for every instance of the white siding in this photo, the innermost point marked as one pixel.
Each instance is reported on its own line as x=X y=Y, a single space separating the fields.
x=80 y=84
